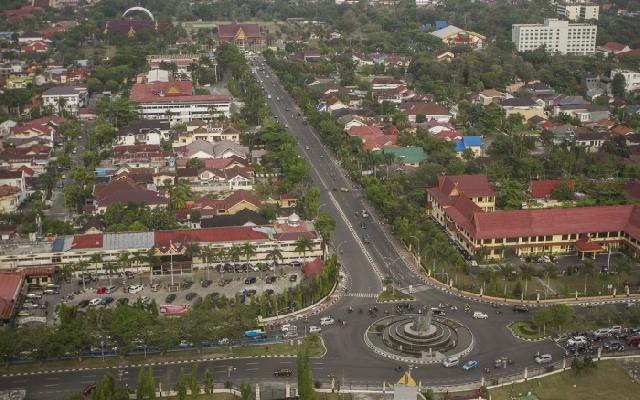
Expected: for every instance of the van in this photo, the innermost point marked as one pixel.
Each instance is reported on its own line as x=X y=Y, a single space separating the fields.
x=451 y=361
x=634 y=341
x=110 y=289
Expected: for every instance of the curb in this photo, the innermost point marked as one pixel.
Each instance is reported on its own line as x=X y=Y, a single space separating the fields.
x=542 y=338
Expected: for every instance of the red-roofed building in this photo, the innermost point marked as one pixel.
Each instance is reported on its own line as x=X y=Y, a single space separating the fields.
x=613 y=48
x=622 y=130
x=34 y=47
x=542 y=190
x=10 y=284
x=245 y=36
x=237 y=201
x=374 y=138
x=430 y=111
x=124 y=190
x=175 y=101
x=17 y=14
x=532 y=231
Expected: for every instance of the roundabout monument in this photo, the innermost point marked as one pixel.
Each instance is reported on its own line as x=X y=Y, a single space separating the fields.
x=419 y=338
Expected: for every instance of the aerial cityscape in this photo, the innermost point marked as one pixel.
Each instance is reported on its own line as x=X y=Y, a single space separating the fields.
x=319 y=199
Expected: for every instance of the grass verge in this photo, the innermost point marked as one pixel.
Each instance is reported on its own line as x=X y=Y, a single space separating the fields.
x=334 y=396
x=526 y=330
x=392 y=294
x=607 y=381
x=316 y=349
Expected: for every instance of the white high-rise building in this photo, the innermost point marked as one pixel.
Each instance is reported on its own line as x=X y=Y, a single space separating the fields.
x=578 y=12
x=557 y=36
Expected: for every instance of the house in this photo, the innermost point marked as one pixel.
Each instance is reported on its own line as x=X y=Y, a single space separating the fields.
x=9 y=198
x=583 y=112
x=631 y=79
x=8 y=231
x=18 y=82
x=36 y=157
x=538 y=88
x=16 y=178
x=372 y=137
x=30 y=37
x=212 y=180
x=410 y=156
x=311 y=55
x=245 y=36
x=489 y=96
x=65 y=98
x=125 y=191
x=34 y=47
x=385 y=82
x=473 y=143
x=241 y=218
x=449 y=136
x=203 y=150
x=613 y=48
x=542 y=190
x=237 y=201
x=527 y=107
x=586 y=230
x=143 y=132
x=174 y=101
x=444 y=55
x=181 y=61
x=212 y=131
x=452 y=36
x=427 y=111
x=331 y=104
x=591 y=141
x=141 y=156
x=622 y=130
x=158 y=75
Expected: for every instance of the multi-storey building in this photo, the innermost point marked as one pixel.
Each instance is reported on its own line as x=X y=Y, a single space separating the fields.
x=578 y=12
x=556 y=37
x=463 y=206
x=65 y=98
x=175 y=102
x=631 y=79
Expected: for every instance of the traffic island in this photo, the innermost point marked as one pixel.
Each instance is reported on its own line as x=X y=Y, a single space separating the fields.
x=526 y=330
x=418 y=338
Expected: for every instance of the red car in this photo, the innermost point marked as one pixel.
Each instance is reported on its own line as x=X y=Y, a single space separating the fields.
x=101 y=290
x=88 y=389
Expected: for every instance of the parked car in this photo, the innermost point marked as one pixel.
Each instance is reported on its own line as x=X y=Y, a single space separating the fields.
x=469 y=365
x=83 y=303
x=480 y=315
x=634 y=340
x=134 y=289
x=543 y=358
x=615 y=330
x=290 y=335
x=614 y=345
x=283 y=372
x=577 y=341
x=110 y=289
x=107 y=300
x=155 y=287
x=293 y=278
x=190 y=296
x=187 y=284
x=314 y=329
x=51 y=291
x=270 y=279
x=601 y=333
x=170 y=298
x=24 y=313
x=205 y=283
x=185 y=344
x=326 y=321
x=521 y=309
x=249 y=280
x=95 y=302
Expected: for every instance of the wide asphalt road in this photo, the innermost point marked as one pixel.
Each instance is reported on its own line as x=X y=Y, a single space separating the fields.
x=348 y=359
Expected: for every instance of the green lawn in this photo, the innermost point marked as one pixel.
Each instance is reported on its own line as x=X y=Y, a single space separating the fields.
x=525 y=330
x=393 y=295
x=607 y=381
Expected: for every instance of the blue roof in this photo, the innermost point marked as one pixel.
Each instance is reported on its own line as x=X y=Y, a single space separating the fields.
x=467 y=141
x=632 y=108
x=441 y=24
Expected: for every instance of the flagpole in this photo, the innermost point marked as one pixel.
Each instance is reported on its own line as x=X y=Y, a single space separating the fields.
x=171 y=260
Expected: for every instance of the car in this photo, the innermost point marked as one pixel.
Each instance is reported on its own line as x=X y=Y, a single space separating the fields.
x=110 y=289
x=185 y=344
x=88 y=389
x=616 y=330
x=577 y=341
x=133 y=289
x=326 y=321
x=269 y=292
x=633 y=340
x=601 y=333
x=170 y=298
x=33 y=295
x=83 y=303
x=469 y=365
x=344 y=189
x=30 y=305
x=543 y=358
x=314 y=329
x=520 y=309
x=186 y=284
x=614 y=345
x=270 y=279
x=145 y=300
x=290 y=335
x=365 y=213
x=107 y=300
x=480 y=315
x=129 y=274
x=282 y=372
x=249 y=280
x=24 y=313
x=306 y=147
x=293 y=278
x=51 y=291
x=438 y=311
x=366 y=239
x=451 y=361
x=190 y=296
x=205 y=283
x=95 y=302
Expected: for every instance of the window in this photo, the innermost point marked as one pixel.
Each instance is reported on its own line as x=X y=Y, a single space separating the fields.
x=540 y=238
x=512 y=240
x=565 y=237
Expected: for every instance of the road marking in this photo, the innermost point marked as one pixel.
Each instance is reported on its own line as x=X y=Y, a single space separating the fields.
x=251 y=369
x=52 y=385
x=366 y=295
x=252 y=363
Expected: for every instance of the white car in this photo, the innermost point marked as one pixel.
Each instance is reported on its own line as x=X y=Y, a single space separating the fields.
x=314 y=329
x=602 y=333
x=290 y=335
x=135 y=289
x=451 y=362
x=286 y=328
x=615 y=330
x=95 y=302
x=480 y=315
x=544 y=358
x=577 y=341
x=325 y=321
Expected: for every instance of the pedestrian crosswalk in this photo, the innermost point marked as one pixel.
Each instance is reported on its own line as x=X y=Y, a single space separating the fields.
x=416 y=289
x=366 y=295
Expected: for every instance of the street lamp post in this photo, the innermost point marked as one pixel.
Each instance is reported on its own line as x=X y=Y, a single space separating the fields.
x=418 y=257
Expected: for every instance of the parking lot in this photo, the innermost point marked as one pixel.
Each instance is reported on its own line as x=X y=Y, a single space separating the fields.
x=187 y=288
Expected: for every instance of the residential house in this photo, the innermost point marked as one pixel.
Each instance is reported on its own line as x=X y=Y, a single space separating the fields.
x=613 y=48
x=385 y=83
x=372 y=137
x=65 y=98
x=527 y=107
x=34 y=47
x=591 y=141
x=143 y=132
x=15 y=178
x=449 y=136
x=224 y=149
x=583 y=112
x=410 y=156
x=430 y=111
x=622 y=130
x=311 y=55
x=239 y=200
x=9 y=198
x=212 y=131
x=631 y=79
x=537 y=88
x=489 y=96
x=125 y=191
x=542 y=190
x=142 y=156
x=36 y=157
x=473 y=143
x=30 y=37
x=241 y=218
x=212 y=180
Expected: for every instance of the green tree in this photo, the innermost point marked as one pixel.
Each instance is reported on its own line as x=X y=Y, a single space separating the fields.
x=305 y=376
x=275 y=255
x=246 y=393
x=324 y=224
x=618 y=84
x=195 y=163
x=181 y=386
x=193 y=382
x=248 y=250
x=312 y=203
x=105 y=389
x=303 y=244
x=511 y=195
x=208 y=381
x=179 y=194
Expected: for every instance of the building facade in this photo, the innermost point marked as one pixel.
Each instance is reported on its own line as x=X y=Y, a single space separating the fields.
x=463 y=205
x=578 y=12
x=65 y=98
x=631 y=79
x=556 y=36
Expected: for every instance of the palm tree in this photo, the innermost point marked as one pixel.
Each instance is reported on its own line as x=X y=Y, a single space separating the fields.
x=303 y=244
x=526 y=271
x=179 y=194
x=234 y=253
x=206 y=253
x=110 y=268
x=82 y=267
x=62 y=102
x=96 y=258
x=138 y=258
x=124 y=263
x=220 y=255
x=249 y=251
x=274 y=255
